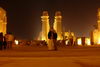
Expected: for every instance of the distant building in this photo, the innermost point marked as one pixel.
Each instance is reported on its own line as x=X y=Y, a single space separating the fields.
x=45 y=25
x=3 y=21
x=70 y=38
x=83 y=41
x=58 y=25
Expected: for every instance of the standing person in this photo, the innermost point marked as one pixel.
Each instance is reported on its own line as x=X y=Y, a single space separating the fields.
x=4 y=42
x=52 y=36
x=1 y=40
x=9 y=38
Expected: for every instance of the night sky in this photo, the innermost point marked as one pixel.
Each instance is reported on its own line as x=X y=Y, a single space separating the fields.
x=24 y=19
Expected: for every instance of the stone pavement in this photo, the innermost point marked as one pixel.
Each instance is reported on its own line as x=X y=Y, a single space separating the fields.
x=41 y=57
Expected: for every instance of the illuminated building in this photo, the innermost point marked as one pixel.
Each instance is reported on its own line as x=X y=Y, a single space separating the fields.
x=58 y=25
x=96 y=33
x=87 y=41
x=83 y=41
x=3 y=21
x=45 y=25
x=69 y=36
x=79 y=41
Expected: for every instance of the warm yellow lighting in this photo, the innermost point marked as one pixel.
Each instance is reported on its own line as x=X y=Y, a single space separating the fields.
x=79 y=41
x=96 y=32
x=87 y=41
x=98 y=20
x=96 y=37
x=59 y=38
x=98 y=40
x=43 y=38
x=66 y=42
x=45 y=25
x=16 y=42
x=58 y=25
x=66 y=34
x=3 y=21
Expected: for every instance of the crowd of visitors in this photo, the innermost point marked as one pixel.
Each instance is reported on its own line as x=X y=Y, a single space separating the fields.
x=6 y=41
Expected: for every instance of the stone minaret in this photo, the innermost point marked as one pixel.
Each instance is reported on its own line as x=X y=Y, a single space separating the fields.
x=45 y=25
x=3 y=21
x=58 y=25
x=98 y=19
x=96 y=32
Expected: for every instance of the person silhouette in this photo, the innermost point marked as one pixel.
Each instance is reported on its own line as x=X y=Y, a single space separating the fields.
x=52 y=36
x=1 y=40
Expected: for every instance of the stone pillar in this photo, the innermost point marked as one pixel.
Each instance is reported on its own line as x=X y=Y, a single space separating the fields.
x=58 y=25
x=98 y=19
x=3 y=21
x=45 y=25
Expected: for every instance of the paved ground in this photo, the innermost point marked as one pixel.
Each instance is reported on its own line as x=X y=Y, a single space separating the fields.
x=41 y=57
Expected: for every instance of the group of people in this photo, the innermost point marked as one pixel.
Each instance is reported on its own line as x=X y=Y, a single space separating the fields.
x=52 y=42
x=6 y=41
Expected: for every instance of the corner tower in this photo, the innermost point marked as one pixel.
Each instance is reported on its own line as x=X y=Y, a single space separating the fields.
x=98 y=19
x=96 y=32
x=45 y=25
x=58 y=24
x=3 y=21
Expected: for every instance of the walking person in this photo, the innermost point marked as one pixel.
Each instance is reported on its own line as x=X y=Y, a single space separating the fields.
x=1 y=41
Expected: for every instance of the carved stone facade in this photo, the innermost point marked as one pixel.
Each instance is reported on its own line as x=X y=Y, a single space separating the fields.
x=3 y=21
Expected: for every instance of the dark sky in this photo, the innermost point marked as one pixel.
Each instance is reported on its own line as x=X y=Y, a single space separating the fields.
x=24 y=19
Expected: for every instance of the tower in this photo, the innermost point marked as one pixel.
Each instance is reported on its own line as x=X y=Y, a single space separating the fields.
x=58 y=24
x=96 y=32
x=3 y=21
x=45 y=25
x=98 y=19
